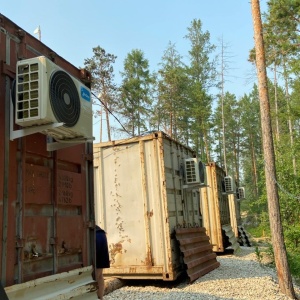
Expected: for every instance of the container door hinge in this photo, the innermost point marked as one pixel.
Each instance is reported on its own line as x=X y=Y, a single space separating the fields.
x=19 y=243
x=53 y=241
x=89 y=157
x=91 y=224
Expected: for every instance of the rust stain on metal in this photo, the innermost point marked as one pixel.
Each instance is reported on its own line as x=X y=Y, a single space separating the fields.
x=150 y=213
x=148 y=259
x=114 y=250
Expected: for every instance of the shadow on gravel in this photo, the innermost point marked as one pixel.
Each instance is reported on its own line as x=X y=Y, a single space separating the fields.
x=170 y=295
x=226 y=252
x=226 y=267
x=182 y=279
x=239 y=253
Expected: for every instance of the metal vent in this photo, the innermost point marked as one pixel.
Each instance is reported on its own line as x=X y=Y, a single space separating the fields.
x=241 y=193
x=191 y=171
x=27 y=102
x=64 y=98
x=228 y=184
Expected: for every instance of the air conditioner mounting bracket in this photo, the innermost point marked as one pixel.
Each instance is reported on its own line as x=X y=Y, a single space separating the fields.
x=15 y=134
x=52 y=146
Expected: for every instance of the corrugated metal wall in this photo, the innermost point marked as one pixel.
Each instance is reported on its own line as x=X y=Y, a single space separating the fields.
x=197 y=251
x=140 y=200
x=46 y=201
x=216 y=209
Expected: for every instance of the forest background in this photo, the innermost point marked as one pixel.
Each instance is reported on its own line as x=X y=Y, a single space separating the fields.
x=196 y=92
x=178 y=99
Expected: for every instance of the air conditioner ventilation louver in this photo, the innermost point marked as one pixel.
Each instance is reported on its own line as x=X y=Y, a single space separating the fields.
x=28 y=91
x=191 y=171
x=228 y=184
x=241 y=193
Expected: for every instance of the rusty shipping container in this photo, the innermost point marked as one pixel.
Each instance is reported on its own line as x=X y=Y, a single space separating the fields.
x=219 y=210
x=46 y=197
x=149 y=205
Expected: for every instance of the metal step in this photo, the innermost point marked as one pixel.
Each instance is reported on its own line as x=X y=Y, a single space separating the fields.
x=244 y=239
x=232 y=238
x=197 y=251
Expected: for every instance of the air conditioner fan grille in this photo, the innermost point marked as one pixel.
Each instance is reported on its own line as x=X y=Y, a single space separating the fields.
x=64 y=98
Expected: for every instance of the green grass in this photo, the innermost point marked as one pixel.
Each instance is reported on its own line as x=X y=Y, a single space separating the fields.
x=259 y=231
x=292 y=254
x=294 y=264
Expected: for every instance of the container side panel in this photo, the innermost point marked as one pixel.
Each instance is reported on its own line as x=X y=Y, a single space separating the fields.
x=211 y=210
x=70 y=238
x=189 y=208
x=71 y=217
x=37 y=251
x=162 y=147
x=69 y=188
x=223 y=199
x=215 y=206
x=123 y=205
x=140 y=202
x=37 y=144
x=73 y=154
x=6 y=214
x=37 y=184
x=183 y=206
x=233 y=214
x=155 y=199
x=33 y=191
x=205 y=209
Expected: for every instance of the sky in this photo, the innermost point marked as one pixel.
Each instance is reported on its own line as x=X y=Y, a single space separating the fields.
x=72 y=28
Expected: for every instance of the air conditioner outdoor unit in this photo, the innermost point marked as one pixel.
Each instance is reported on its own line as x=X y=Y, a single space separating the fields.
x=228 y=185
x=194 y=172
x=47 y=94
x=241 y=193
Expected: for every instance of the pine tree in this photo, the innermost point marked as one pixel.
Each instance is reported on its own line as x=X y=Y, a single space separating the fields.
x=172 y=106
x=202 y=75
x=135 y=105
x=101 y=68
x=280 y=255
x=251 y=146
x=230 y=127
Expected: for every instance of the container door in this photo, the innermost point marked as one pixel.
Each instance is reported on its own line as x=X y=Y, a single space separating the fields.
x=129 y=208
x=51 y=210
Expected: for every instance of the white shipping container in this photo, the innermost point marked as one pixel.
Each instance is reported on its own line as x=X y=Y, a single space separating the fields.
x=140 y=199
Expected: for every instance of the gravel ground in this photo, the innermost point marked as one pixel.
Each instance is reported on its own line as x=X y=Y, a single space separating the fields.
x=239 y=276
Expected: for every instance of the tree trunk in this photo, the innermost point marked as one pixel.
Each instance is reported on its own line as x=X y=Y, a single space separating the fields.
x=236 y=162
x=206 y=147
x=107 y=124
x=254 y=168
x=283 y=272
x=277 y=135
x=222 y=103
x=105 y=100
x=287 y=95
x=171 y=124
